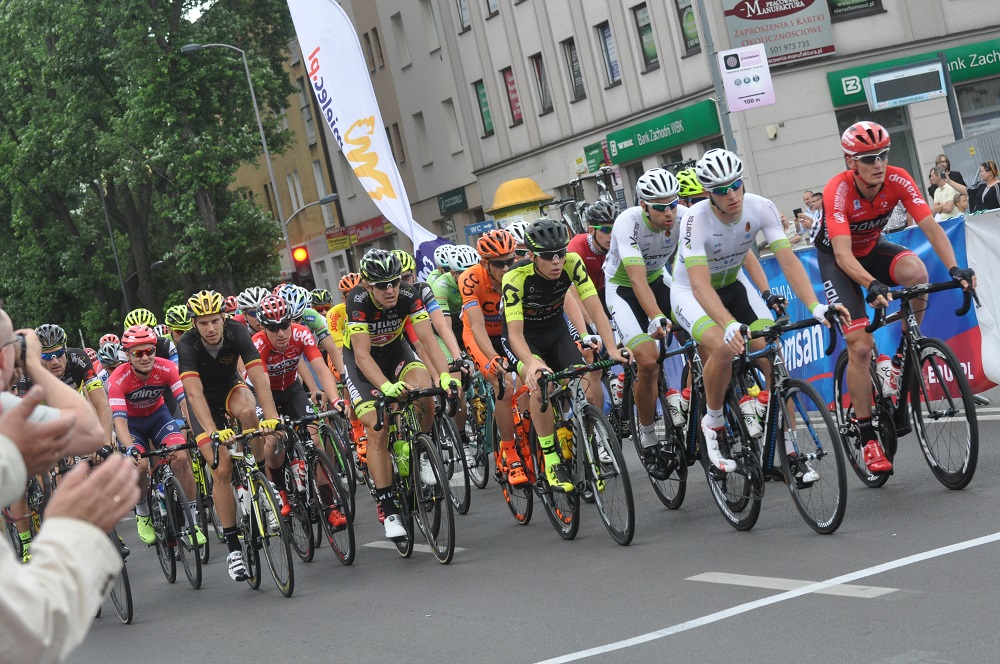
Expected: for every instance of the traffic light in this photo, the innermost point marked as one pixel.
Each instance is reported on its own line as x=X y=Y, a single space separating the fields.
x=302 y=273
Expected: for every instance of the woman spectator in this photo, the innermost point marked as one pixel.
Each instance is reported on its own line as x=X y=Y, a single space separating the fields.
x=985 y=193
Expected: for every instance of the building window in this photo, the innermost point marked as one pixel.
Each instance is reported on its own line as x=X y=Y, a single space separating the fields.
x=306 y=110
x=397 y=141
x=611 y=66
x=512 y=97
x=979 y=105
x=328 y=221
x=689 y=27
x=647 y=44
x=484 y=108
x=426 y=158
x=897 y=123
x=401 y=46
x=575 y=72
x=430 y=26
x=464 y=18
x=542 y=83
x=454 y=130
x=492 y=8
x=294 y=189
x=366 y=41
x=294 y=53
x=378 y=48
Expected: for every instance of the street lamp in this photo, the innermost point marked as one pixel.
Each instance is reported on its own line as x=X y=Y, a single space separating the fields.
x=329 y=198
x=114 y=245
x=193 y=48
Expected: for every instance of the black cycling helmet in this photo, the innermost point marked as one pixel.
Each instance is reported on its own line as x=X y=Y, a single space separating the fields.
x=544 y=234
x=379 y=265
x=601 y=213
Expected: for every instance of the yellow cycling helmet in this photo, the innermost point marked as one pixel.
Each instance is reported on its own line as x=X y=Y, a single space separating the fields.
x=205 y=303
x=178 y=318
x=140 y=317
x=690 y=186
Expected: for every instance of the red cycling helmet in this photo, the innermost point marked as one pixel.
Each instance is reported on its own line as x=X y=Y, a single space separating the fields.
x=91 y=355
x=495 y=243
x=230 y=306
x=138 y=335
x=864 y=136
x=109 y=339
x=273 y=311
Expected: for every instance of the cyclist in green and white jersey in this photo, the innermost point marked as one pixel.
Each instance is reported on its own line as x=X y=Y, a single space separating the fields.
x=441 y=256
x=638 y=289
x=712 y=296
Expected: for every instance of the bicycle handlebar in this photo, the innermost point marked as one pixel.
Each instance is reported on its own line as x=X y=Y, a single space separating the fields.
x=783 y=325
x=133 y=452
x=572 y=372
x=410 y=397
x=246 y=435
x=908 y=293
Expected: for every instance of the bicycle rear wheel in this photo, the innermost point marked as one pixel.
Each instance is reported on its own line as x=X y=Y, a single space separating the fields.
x=251 y=548
x=944 y=415
x=183 y=532
x=481 y=438
x=404 y=499
x=299 y=522
x=736 y=494
x=273 y=535
x=562 y=509
x=121 y=589
x=433 y=514
x=520 y=497
x=607 y=476
x=453 y=462
x=672 y=489
x=850 y=437
x=337 y=451
x=161 y=526
x=327 y=496
x=809 y=427
x=203 y=523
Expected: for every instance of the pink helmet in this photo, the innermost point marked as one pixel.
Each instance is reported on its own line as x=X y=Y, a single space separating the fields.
x=138 y=335
x=864 y=136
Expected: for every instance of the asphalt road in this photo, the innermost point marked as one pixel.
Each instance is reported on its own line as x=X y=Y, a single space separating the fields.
x=921 y=587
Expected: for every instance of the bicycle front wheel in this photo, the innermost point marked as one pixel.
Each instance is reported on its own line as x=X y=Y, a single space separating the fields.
x=164 y=543
x=121 y=589
x=183 y=532
x=453 y=462
x=944 y=415
x=273 y=535
x=608 y=477
x=812 y=460
x=299 y=521
x=672 y=488
x=850 y=437
x=737 y=494
x=337 y=451
x=562 y=509
x=434 y=514
x=480 y=437
x=329 y=503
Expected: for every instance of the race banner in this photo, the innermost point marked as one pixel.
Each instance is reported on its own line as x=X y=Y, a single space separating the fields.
x=804 y=350
x=340 y=80
x=984 y=258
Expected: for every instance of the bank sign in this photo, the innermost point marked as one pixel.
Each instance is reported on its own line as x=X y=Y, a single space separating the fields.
x=965 y=63
x=665 y=132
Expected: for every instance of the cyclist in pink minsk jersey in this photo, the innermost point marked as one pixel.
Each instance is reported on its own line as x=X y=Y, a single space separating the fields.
x=141 y=417
x=853 y=252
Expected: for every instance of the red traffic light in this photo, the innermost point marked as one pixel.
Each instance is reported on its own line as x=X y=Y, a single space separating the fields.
x=300 y=254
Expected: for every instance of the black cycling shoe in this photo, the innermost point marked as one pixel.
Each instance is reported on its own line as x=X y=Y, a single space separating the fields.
x=654 y=464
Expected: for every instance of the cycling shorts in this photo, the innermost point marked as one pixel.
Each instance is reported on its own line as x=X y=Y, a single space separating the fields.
x=740 y=298
x=554 y=346
x=629 y=318
x=158 y=428
x=395 y=361
x=293 y=402
x=880 y=262
x=218 y=398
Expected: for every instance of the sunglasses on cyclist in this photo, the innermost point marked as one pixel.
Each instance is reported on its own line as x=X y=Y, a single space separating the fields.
x=277 y=327
x=520 y=253
x=56 y=354
x=551 y=255
x=663 y=207
x=138 y=354
x=722 y=191
x=607 y=229
x=252 y=313
x=870 y=159
x=502 y=264
x=386 y=285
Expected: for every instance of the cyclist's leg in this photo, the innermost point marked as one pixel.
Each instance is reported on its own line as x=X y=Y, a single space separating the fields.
x=241 y=405
x=222 y=476
x=898 y=266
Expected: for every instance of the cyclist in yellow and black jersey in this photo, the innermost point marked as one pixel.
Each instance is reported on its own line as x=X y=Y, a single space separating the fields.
x=538 y=337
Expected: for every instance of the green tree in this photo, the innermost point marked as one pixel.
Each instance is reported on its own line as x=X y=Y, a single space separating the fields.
x=103 y=120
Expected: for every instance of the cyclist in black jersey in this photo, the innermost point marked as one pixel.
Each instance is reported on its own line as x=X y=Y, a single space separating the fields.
x=376 y=354
x=209 y=357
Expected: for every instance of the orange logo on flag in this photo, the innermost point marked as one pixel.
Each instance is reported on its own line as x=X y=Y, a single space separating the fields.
x=365 y=161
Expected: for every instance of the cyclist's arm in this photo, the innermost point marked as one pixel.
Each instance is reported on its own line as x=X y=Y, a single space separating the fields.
x=434 y=353
x=477 y=324
x=325 y=377
x=443 y=328
x=99 y=399
x=518 y=344
x=119 y=413
x=593 y=306
x=306 y=375
x=196 y=402
x=643 y=293
x=262 y=387
x=939 y=241
x=574 y=311
x=121 y=430
x=797 y=277
x=756 y=271
x=847 y=262
x=338 y=361
x=584 y=315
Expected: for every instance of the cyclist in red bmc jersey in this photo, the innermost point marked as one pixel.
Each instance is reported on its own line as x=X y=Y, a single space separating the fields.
x=853 y=252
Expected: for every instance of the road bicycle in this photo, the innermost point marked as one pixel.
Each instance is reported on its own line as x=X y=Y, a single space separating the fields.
x=453 y=461
x=315 y=491
x=480 y=428
x=121 y=590
x=520 y=497
x=592 y=453
x=37 y=492
x=934 y=398
x=797 y=427
x=173 y=522
x=258 y=514
x=418 y=479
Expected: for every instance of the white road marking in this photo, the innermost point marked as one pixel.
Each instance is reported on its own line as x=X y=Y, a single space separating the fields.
x=772 y=583
x=419 y=548
x=775 y=599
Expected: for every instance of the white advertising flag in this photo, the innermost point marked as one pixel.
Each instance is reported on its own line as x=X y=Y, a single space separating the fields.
x=339 y=77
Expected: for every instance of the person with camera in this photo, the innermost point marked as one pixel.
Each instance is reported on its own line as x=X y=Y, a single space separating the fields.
x=48 y=605
x=943 y=203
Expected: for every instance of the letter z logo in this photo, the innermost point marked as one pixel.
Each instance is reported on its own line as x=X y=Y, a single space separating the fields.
x=851 y=84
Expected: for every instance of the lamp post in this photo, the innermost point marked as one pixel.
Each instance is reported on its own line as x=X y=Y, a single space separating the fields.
x=114 y=245
x=329 y=198
x=193 y=48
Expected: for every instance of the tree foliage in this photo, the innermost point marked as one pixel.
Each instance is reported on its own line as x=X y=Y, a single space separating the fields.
x=104 y=121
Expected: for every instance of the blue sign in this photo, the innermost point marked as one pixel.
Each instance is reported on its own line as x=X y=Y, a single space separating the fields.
x=479 y=228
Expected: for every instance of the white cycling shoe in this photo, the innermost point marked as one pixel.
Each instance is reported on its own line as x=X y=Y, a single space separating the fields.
x=712 y=445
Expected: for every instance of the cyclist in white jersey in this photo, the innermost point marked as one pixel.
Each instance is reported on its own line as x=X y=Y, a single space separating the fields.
x=638 y=290
x=712 y=296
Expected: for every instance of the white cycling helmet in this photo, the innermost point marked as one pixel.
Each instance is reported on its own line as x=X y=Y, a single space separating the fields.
x=517 y=229
x=442 y=255
x=463 y=257
x=656 y=183
x=251 y=298
x=718 y=167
